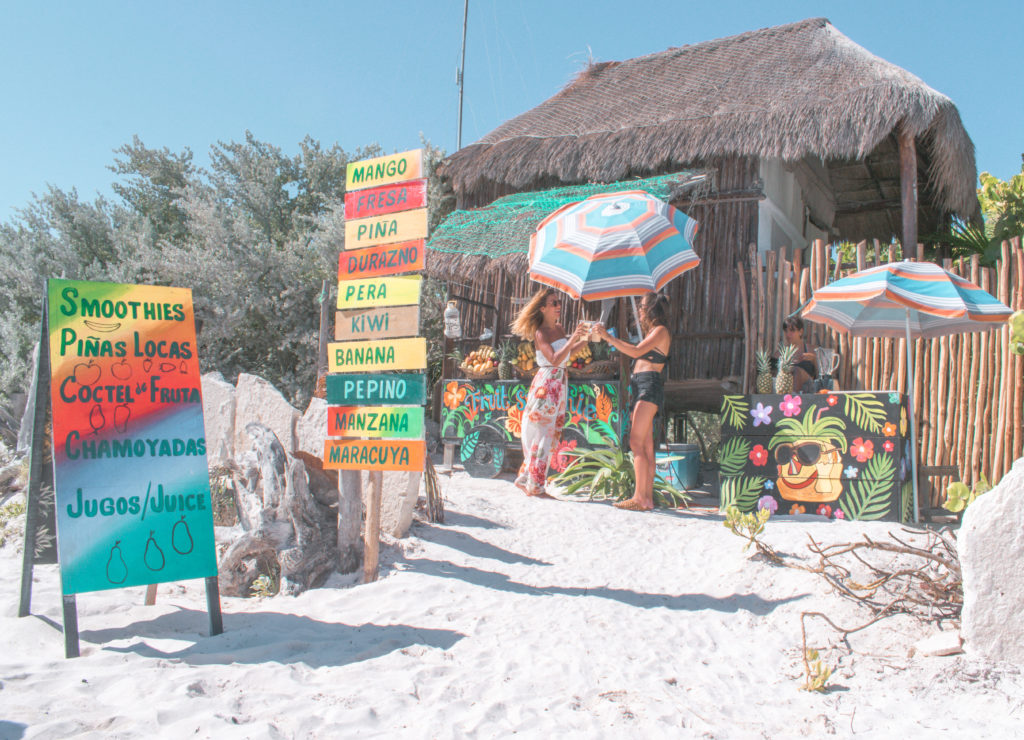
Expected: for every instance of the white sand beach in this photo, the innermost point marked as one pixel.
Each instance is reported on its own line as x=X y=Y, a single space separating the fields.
x=517 y=616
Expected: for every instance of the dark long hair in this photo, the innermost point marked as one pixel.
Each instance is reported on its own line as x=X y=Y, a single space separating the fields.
x=653 y=311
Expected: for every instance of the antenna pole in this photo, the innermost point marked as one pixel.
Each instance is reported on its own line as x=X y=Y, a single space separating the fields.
x=462 y=72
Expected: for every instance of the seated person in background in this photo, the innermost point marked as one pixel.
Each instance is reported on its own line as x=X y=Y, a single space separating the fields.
x=805 y=367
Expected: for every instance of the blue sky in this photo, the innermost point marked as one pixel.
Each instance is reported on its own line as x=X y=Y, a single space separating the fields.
x=81 y=78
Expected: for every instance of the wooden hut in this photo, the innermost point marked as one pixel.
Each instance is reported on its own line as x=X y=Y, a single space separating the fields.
x=805 y=135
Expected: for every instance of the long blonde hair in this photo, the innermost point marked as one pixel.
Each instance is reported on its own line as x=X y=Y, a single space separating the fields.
x=529 y=319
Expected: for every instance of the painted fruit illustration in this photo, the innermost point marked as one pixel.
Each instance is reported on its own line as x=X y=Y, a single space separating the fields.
x=147 y=364
x=121 y=370
x=96 y=419
x=183 y=367
x=103 y=326
x=87 y=374
x=181 y=538
x=167 y=367
x=122 y=414
x=154 y=556
x=117 y=571
x=808 y=457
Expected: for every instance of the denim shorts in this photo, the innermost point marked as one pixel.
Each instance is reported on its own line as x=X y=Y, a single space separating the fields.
x=648 y=386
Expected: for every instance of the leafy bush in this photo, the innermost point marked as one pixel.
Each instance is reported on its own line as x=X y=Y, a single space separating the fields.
x=608 y=473
x=959 y=496
x=254 y=237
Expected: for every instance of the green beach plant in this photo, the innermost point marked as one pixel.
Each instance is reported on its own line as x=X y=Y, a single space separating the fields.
x=959 y=496
x=816 y=673
x=608 y=474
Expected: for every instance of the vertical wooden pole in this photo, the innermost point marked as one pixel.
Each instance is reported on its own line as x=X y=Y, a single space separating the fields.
x=774 y=320
x=70 y=610
x=498 y=301
x=150 y=594
x=40 y=402
x=1017 y=364
x=325 y=327
x=908 y=189
x=748 y=352
x=213 y=605
x=371 y=538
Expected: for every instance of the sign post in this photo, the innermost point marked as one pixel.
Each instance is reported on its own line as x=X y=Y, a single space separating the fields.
x=377 y=386
x=118 y=367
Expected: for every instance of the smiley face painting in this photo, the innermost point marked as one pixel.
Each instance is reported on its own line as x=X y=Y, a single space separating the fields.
x=808 y=457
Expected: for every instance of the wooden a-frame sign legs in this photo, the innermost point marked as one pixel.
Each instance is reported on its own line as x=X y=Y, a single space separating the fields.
x=41 y=475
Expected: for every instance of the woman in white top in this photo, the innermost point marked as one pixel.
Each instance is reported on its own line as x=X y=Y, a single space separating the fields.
x=544 y=414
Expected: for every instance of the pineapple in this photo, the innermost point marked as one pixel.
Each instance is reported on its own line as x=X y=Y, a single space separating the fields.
x=507 y=356
x=764 y=372
x=784 y=380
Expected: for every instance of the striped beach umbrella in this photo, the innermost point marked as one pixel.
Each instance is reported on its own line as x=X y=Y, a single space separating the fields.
x=906 y=299
x=916 y=298
x=614 y=244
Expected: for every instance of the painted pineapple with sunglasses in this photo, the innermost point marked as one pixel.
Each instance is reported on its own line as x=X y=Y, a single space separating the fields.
x=808 y=454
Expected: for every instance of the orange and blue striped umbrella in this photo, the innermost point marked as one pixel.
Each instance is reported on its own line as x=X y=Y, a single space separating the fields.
x=614 y=244
x=919 y=298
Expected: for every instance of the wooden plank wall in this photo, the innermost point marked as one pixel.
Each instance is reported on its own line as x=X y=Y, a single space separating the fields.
x=969 y=388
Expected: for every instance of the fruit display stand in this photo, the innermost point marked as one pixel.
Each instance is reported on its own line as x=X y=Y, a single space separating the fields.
x=843 y=455
x=484 y=418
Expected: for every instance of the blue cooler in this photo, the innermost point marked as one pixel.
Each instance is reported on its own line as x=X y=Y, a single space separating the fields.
x=679 y=473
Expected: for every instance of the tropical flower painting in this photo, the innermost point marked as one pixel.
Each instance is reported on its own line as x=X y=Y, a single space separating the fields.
x=835 y=455
x=592 y=413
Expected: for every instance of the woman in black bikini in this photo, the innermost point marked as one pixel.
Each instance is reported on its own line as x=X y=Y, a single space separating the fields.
x=647 y=386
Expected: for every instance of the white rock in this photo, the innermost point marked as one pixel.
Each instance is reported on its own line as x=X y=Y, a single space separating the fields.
x=941 y=643
x=991 y=549
x=311 y=429
x=398 y=499
x=218 y=418
x=256 y=400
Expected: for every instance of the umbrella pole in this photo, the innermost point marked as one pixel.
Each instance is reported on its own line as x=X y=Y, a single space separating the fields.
x=913 y=425
x=636 y=318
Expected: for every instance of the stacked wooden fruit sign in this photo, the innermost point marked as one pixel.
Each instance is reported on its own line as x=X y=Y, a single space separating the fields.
x=377 y=386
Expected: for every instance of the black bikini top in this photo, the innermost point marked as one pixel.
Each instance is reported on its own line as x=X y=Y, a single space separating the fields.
x=655 y=356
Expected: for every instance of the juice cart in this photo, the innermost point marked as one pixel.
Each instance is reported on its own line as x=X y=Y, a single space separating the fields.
x=484 y=418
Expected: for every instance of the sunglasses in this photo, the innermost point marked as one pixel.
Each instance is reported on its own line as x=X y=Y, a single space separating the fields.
x=807 y=453
x=555 y=302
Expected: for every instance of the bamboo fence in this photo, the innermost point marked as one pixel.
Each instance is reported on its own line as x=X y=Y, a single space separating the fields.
x=969 y=388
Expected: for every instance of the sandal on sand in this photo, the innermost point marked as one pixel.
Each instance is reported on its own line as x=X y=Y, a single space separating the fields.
x=631 y=505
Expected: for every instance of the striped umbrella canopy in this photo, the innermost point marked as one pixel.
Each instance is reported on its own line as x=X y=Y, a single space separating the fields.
x=614 y=244
x=881 y=301
x=906 y=299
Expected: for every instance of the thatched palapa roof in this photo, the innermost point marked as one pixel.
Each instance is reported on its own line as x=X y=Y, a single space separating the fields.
x=795 y=92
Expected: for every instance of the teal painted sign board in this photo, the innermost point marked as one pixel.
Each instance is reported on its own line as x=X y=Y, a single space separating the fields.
x=129 y=449
x=393 y=389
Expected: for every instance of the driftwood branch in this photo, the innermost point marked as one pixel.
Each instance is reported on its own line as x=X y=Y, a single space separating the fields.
x=289 y=535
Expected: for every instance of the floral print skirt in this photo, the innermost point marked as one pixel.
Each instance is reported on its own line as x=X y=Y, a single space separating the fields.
x=543 y=419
